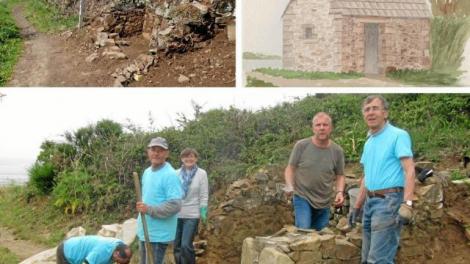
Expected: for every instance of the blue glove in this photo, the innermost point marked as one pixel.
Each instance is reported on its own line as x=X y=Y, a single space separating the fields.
x=203 y=212
x=353 y=216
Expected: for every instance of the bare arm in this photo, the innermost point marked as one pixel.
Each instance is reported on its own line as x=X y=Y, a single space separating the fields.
x=361 y=196
x=409 y=168
x=289 y=177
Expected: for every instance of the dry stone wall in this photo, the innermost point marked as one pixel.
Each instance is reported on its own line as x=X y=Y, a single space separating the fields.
x=320 y=52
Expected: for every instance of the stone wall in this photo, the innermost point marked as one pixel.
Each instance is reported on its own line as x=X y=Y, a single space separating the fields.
x=341 y=244
x=403 y=43
x=322 y=51
x=125 y=23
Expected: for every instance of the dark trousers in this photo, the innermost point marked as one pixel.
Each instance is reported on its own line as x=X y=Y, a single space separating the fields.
x=158 y=250
x=60 y=256
x=185 y=232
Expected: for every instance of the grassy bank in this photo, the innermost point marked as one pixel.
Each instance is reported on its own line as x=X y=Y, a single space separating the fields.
x=6 y=257
x=253 y=82
x=46 y=17
x=290 y=74
x=10 y=43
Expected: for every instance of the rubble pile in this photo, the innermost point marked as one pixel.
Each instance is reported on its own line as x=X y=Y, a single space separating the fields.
x=421 y=241
x=177 y=26
x=135 y=70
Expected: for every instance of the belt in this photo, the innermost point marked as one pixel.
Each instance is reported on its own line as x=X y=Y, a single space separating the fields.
x=381 y=193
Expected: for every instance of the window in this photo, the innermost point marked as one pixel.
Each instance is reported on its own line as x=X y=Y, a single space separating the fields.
x=308 y=31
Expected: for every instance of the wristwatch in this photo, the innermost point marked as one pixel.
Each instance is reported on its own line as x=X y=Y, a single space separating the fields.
x=409 y=203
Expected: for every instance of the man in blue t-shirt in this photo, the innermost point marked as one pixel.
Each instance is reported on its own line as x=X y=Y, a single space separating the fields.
x=93 y=250
x=161 y=201
x=388 y=183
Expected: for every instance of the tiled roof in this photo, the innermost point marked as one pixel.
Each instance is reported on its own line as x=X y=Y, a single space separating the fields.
x=382 y=8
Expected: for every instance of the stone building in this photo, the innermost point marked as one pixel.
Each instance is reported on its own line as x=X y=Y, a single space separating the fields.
x=370 y=36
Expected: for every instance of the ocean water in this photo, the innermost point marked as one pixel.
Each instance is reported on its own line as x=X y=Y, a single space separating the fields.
x=14 y=171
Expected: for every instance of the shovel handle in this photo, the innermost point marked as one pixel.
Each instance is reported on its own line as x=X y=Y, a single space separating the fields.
x=148 y=248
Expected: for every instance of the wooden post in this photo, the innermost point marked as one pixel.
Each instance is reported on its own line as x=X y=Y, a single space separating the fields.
x=148 y=247
x=81 y=13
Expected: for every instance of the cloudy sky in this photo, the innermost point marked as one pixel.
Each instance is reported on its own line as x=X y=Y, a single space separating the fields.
x=262 y=25
x=30 y=116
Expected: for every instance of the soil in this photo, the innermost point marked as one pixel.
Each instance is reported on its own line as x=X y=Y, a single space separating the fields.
x=58 y=60
x=21 y=248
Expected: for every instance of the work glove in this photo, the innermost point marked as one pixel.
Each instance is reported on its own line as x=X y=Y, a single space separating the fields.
x=406 y=213
x=353 y=217
x=203 y=212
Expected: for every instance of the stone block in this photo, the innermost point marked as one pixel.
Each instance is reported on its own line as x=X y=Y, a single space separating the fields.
x=271 y=255
x=76 y=231
x=346 y=250
x=249 y=252
x=311 y=243
x=431 y=193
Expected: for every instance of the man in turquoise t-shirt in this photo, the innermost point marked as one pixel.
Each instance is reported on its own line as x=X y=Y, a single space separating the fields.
x=388 y=184
x=93 y=250
x=161 y=201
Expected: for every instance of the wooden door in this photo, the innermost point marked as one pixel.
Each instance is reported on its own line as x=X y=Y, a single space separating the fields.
x=371 y=51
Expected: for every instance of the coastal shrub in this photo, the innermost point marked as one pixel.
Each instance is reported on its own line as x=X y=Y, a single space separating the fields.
x=42 y=177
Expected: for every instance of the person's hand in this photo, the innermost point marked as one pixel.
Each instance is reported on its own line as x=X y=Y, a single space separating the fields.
x=141 y=207
x=353 y=216
x=288 y=192
x=339 y=199
x=203 y=212
x=406 y=213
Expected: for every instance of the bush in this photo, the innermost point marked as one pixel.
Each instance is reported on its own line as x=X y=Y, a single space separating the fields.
x=42 y=177
x=74 y=191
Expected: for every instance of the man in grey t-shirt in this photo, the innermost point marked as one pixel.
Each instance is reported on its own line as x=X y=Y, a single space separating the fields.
x=314 y=164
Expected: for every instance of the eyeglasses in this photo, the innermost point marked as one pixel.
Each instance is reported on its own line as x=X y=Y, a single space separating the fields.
x=374 y=108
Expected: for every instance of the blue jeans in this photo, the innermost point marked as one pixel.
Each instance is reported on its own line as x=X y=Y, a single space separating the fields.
x=308 y=217
x=185 y=232
x=158 y=250
x=381 y=228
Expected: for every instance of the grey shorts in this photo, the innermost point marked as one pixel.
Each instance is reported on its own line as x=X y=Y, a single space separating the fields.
x=60 y=256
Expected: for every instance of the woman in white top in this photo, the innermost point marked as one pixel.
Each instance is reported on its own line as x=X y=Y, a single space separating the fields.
x=194 y=206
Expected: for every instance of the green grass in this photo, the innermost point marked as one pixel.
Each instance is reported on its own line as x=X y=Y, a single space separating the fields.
x=253 y=82
x=290 y=74
x=10 y=43
x=6 y=257
x=46 y=17
x=423 y=77
x=259 y=56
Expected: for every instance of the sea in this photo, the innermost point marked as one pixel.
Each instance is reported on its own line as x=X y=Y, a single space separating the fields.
x=14 y=171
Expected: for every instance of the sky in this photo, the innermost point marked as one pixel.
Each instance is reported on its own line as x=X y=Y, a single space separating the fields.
x=262 y=26
x=30 y=116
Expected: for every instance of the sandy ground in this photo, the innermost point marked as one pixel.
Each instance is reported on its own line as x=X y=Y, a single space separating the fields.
x=22 y=248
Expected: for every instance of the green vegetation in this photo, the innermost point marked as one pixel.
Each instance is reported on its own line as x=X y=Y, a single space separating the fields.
x=46 y=17
x=259 y=56
x=424 y=77
x=10 y=43
x=6 y=257
x=449 y=34
x=92 y=170
x=290 y=74
x=457 y=175
x=253 y=82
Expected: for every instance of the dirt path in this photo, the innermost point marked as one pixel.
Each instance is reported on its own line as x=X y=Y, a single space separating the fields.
x=22 y=248
x=52 y=60
x=361 y=82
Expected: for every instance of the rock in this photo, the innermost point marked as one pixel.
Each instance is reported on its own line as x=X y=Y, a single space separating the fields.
x=328 y=246
x=270 y=255
x=306 y=257
x=310 y=244
x=346 y=250
x=249 y=253
x=431 y=193
x=66 y=34
x=202 y=8
x=123 y=42
x=101 y=38
x=76 y=231
x=343 y=224
x=110 y=230
x=138 y=77
x=231 y=32
x=183 y=79
x=92 y=57
x=129 y=231
x=467 y=233
x=355 y=238
x=114 y=55
x=45 y=257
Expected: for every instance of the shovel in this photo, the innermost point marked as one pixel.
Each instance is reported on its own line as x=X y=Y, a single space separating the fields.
x=148 y=247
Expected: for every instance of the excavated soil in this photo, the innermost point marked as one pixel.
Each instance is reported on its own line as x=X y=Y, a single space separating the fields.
x=58 y=60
